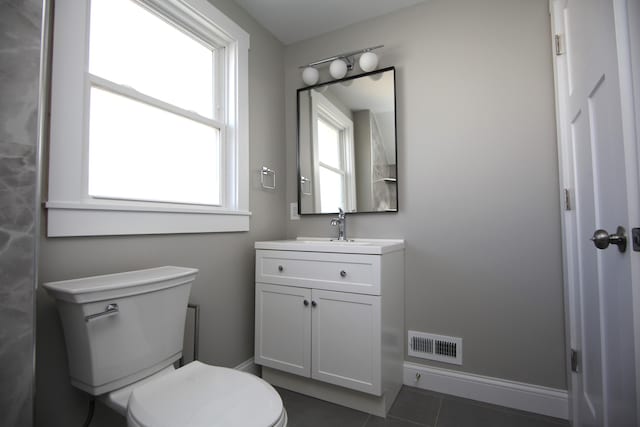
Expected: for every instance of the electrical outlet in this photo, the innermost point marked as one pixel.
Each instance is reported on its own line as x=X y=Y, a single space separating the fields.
x=293 y=209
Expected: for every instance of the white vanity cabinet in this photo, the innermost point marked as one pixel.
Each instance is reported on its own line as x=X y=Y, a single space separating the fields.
x=324 y=335
x=283 y=328
x=326 y=318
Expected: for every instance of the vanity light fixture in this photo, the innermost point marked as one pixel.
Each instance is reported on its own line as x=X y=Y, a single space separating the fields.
x=310 y=76
x=338 y=68
x=341 y=64
x=368 y=61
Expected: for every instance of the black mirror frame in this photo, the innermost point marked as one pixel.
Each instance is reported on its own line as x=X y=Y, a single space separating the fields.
x=395 y=131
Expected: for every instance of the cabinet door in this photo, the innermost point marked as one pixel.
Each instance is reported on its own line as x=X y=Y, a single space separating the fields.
x=346 y=340
x=283 y=328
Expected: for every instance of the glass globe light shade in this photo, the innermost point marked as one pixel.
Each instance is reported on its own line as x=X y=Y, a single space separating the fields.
x=310 y=76
x=338 y=69
x=368 y=61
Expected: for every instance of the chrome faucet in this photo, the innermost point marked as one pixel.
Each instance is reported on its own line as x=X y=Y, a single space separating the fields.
x=341 y=222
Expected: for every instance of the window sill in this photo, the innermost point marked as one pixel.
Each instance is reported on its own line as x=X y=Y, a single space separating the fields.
x=67 y=219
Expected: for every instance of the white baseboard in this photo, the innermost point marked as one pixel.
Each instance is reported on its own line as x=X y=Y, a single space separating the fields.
x=525 y=397
x=249 y=367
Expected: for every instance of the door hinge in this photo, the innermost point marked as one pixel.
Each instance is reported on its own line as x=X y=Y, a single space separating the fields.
x=567 y=199
x=558 y=44
x=574 y=361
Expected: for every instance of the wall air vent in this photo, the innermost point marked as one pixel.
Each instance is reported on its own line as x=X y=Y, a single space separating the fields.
x=435 y=347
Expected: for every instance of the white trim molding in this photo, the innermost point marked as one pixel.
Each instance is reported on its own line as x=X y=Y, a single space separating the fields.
x=512 y=394
x=249 y=367
x=66 y=221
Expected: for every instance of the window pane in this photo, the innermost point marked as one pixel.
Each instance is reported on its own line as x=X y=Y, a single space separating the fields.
x=331 y=190
x=133 y=47
x=329 y=144
x=140 y=152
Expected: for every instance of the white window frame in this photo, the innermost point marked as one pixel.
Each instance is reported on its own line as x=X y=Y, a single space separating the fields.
x=322 y=107
x=70 y=209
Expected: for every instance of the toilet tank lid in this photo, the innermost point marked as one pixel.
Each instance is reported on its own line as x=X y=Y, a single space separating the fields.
x=108 y=286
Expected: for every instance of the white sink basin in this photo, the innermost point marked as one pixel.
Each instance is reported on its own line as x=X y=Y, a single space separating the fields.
x=352 y=246
x=349 y=242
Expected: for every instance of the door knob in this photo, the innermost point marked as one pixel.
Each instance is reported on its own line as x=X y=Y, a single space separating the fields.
x=601 y=239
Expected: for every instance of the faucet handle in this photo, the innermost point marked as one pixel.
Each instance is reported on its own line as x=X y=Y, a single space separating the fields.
x=341 y=222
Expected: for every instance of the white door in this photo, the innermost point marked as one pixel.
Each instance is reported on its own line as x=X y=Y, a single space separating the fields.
x=346 y=338
x=594 y=171
x=283 y=328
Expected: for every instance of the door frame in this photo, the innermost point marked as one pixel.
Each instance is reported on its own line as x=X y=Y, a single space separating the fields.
x=627 y=34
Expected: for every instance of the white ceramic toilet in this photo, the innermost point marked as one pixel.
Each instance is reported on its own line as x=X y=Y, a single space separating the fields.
x=124 y=333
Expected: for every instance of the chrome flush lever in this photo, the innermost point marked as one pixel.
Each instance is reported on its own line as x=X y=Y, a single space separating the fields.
x=109 y=310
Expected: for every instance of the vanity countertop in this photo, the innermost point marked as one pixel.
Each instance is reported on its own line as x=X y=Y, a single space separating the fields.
x=351 y=246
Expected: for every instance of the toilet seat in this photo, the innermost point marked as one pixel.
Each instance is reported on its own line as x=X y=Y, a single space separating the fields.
x=199 y=395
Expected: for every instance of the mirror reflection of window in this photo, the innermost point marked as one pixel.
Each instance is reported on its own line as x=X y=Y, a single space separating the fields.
x=329 y=142
x=332 y=173
x=333 y=156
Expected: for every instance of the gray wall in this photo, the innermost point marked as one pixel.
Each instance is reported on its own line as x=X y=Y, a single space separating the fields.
x=20 y=23
x=477 y=174
x=478 y=197
x=225 y=286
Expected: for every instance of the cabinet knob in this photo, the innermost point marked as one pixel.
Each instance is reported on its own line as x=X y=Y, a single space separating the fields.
x=313 y=303
x=280 y=268
x=305 y=302
x=343 y=273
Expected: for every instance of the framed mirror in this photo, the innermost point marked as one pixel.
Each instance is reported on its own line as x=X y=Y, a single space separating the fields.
x=347 y=145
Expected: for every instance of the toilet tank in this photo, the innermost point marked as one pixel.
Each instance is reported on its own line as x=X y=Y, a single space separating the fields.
x=120 y=328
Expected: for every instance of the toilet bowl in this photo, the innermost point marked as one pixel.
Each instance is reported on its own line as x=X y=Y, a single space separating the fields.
x=123 y=334
x=199 y=395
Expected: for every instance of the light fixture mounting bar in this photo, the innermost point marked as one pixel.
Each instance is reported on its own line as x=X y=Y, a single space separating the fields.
x=341 y=56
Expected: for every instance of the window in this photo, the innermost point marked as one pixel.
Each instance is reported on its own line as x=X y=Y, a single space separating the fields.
x=333 y=156
x=149 y=129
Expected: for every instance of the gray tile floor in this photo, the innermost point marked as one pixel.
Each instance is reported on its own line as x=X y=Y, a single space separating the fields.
x=413 y=408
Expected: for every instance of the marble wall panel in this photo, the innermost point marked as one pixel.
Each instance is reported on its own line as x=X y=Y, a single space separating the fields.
x=20 y=48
